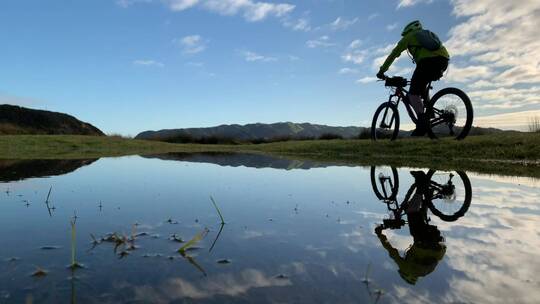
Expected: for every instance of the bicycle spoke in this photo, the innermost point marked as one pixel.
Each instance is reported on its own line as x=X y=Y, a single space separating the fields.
x=449 y=194
x=385 y=123
x=448 y=115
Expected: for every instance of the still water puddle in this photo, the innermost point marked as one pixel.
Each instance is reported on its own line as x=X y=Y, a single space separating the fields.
x=294 y=232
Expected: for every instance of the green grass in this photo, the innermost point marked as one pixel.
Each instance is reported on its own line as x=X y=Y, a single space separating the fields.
x=79 y=147
x=508 y=153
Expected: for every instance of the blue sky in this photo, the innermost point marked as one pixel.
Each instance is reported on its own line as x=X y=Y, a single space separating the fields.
x=132 y=65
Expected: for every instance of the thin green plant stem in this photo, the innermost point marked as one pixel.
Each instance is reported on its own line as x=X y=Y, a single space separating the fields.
x=217 y=209
x=73 y=239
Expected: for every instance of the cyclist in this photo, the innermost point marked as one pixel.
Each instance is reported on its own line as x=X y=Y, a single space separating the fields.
x=428 y=249
x=431 y=59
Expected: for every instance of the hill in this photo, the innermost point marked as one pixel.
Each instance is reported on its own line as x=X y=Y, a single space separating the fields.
x=262 y=133
x=16 y=170
x=19 y=120
x=239 y=159
x=257 y=132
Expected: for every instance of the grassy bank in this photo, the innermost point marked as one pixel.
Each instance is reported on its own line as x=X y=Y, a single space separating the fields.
x=79 y=147
x=514 y=153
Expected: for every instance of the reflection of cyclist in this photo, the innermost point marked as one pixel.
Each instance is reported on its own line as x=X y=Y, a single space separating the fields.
x=428 y=248
x=431 y=59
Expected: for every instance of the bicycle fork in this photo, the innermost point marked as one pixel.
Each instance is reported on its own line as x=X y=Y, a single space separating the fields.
x=383 y=124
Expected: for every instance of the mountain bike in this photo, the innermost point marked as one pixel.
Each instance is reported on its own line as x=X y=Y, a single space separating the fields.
x=449 y=111
x=449 y=193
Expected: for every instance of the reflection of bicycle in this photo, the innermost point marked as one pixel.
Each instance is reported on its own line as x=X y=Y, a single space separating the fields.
x=444 y=199
x=428 y=249
x=450 y=112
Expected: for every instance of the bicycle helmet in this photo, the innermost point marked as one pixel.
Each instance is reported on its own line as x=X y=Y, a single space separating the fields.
x=412 y=27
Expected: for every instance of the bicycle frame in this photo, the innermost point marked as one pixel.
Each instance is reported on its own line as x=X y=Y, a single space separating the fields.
x=399 y=94
x=435 y=191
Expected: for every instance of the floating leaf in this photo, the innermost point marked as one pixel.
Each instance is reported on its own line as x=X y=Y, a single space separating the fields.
x=224 y=261
x=50 y=247
x=40 y=272
x=176 y=238
x=197 y=238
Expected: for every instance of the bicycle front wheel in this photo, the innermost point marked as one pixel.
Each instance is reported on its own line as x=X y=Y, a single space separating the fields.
x=385 y=124
x=450 y=114
x=385 y=182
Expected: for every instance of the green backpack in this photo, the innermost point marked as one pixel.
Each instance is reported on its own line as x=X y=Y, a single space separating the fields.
x=428 y=40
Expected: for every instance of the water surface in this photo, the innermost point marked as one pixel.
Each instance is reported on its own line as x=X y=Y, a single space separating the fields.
x=295 y=232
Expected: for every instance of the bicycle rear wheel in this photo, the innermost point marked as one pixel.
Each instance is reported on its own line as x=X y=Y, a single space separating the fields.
x=385 y=124
x=450 y=114
x=452 y=194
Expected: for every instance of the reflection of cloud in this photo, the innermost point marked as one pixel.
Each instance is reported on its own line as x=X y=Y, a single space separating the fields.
x=510 y=180
x=251 y=234
x=223 y=284
x=493 y=249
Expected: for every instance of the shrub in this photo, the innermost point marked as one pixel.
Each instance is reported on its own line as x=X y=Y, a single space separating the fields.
x=365 y=134
x=534 y=124
x=330 y=136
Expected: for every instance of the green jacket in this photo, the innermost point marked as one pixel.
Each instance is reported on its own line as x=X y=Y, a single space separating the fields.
x=411 y=43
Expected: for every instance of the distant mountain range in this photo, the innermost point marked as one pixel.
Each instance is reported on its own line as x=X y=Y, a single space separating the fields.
x=19 y=120
x=259 y=132
x=254 y=132
x=241 y=160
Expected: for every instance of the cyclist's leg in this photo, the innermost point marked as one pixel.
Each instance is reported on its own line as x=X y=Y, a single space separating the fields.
x=438 y=65
x=419 y=83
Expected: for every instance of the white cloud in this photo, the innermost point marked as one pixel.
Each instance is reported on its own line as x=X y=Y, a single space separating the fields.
x=355 y=44
x=149 y=63
x=505 y=98
x=373 y=16
x=356 y=57
x=407 y=3
x=391 y=27
x=195 y=64
x=180 y=5
x=344 y=71
x=323 y=41
x=494 y=41
x=252 y=57
x=367 y=79
x=192 y=44
x=467 y=74
x=510 y=121
x=251 y=10
x=127 y=3
x=301 y=24
x=342 y=23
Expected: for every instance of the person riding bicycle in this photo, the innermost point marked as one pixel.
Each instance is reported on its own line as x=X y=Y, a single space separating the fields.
x=428 y=248
x=431 y=58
